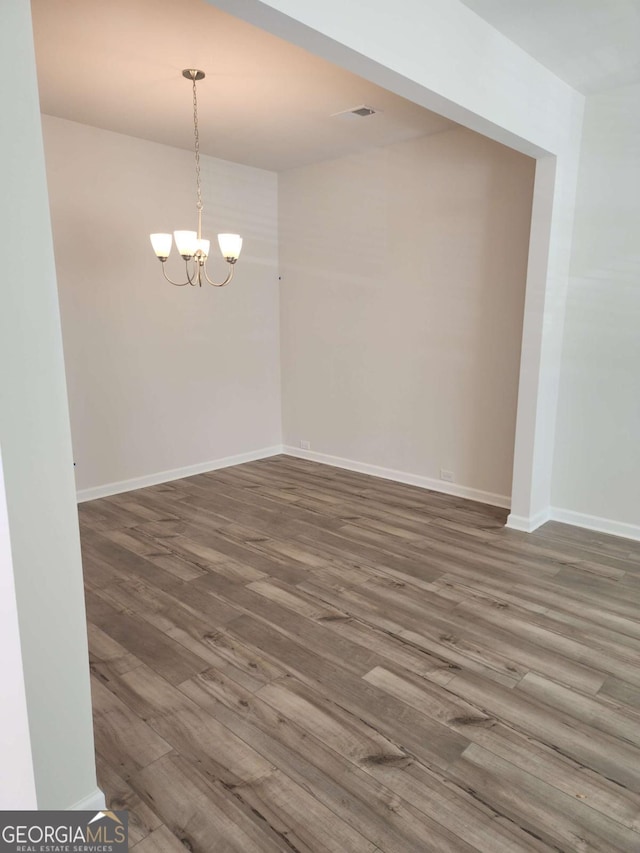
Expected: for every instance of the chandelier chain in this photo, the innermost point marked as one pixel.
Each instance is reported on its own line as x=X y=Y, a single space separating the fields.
x=196 y=140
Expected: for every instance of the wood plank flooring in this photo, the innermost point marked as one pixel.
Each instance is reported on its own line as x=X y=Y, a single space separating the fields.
x=291 y=657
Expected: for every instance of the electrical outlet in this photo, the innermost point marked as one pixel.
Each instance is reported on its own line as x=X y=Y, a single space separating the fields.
x=447 y=476
x=305 y=445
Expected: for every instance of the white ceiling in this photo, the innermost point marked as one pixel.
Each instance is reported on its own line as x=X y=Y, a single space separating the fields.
x=116 y=64
x=593 y=45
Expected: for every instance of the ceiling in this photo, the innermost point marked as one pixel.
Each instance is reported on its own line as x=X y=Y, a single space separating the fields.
x=593 y=45
x=116 y=64
x=264 y=102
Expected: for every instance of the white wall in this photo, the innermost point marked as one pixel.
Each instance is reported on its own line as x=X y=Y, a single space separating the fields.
x=443 y=56
x=36 y=448
x=17 y=781
x=403 y=275
x=160 y=377
x=597 y=463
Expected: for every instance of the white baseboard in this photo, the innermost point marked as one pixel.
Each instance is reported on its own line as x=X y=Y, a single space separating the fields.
x=174 y=474
x=527 y=524
x=576 y=519
x=595 y=523
x=93 y=802
x=401 y=477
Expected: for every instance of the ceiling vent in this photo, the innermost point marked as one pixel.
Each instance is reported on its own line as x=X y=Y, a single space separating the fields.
x=362 y=111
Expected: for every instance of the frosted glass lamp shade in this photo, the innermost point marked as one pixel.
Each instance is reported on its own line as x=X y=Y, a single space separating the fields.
x=161 y=245
x=230 y=246
x=186 y=243
x=204 y=246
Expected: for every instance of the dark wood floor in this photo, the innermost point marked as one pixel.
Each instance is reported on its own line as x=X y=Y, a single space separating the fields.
x=290 y=657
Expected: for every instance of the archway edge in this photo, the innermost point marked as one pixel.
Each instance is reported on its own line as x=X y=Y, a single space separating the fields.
x=441 y=55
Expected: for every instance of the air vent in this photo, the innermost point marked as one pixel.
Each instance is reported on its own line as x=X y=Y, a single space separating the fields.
x=362 y=111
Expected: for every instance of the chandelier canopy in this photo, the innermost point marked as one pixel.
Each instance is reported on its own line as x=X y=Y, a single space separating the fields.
x=190 y=245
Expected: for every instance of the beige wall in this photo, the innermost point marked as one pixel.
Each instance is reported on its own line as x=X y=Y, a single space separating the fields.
x=403 y=276
x=160 y=378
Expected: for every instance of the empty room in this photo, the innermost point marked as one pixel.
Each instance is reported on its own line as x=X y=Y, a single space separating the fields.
x=320 y=524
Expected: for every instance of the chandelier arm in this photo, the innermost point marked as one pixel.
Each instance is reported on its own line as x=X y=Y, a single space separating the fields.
x=221 y=283
x=196 y=273
x=175 y=283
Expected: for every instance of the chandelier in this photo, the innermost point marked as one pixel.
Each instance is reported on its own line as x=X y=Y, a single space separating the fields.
x=190 y=245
